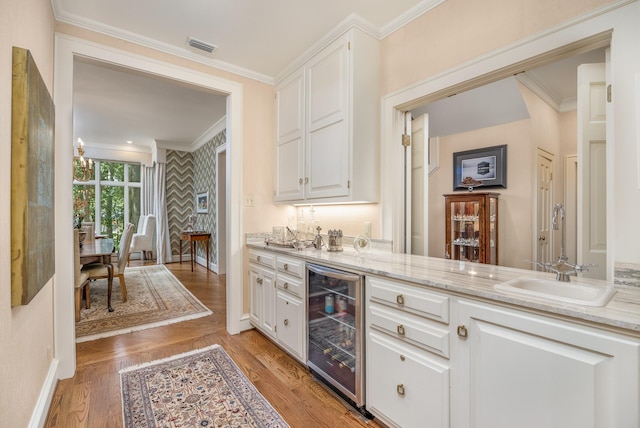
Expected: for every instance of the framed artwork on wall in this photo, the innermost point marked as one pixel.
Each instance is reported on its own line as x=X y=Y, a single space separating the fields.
x=202 y=202
x=32 y=177
x=487 y=167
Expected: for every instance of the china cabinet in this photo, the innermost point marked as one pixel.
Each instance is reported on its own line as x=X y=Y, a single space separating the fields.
x=326 y=143
x=471 y=227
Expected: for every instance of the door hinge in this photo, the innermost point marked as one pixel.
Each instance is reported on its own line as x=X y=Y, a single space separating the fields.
x=349 y=45
x=275 y=328
x=406 y=140
x=609 y=92
x=348 y=184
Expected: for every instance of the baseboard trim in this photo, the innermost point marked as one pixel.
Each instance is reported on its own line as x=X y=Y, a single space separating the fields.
x=41 y=410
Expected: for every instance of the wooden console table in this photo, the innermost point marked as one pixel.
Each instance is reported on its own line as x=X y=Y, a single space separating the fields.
x=193 y=238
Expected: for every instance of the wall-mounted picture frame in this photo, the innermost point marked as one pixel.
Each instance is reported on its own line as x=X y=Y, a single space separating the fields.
x=487 y=165
x=202 y=202
x=32 y=176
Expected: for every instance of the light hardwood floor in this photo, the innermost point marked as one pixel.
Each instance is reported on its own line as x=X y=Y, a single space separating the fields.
x=92 y=397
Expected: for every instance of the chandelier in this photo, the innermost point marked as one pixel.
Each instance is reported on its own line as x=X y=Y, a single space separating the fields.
x=82 y=168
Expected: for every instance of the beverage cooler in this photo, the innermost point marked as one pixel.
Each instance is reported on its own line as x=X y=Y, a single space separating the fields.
x=335 y=325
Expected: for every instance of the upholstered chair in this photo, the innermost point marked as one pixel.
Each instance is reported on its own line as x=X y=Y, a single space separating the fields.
x=143 y=242
x=80 y=279
x=99 y=270
x=90 y=228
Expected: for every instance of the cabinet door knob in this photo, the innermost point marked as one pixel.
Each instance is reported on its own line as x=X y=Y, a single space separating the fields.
x=400 y=299
x=400 y=390
x=402 y=357
x=400 y=330
x=286 y=322
x=462 y=331
x=285 y=267
x=258 y=258
x=286 y=285
x=259 y=280
x=306 y=180
x=300 y=181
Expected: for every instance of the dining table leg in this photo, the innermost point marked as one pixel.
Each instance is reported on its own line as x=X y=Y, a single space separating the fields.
x=109 y=284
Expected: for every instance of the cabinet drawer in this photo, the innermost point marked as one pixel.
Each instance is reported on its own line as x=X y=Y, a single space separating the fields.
x=263 y=258
x=405 y=387
x=291 y=266
x=410 y=298
x=410 y=328
x=290 y=284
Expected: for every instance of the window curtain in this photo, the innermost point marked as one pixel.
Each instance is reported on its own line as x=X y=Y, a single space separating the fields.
x=163 y=243
x=147 y=204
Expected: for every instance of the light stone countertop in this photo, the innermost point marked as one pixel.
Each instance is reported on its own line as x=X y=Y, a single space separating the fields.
x=474 y=280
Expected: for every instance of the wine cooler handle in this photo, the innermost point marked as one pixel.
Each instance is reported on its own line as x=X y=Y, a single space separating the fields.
x=331 y=273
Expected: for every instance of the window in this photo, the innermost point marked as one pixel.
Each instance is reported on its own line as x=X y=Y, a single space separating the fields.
x=111 y=200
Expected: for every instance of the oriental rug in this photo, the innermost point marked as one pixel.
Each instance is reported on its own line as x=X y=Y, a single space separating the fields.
x=155 y=297
x=201 y=388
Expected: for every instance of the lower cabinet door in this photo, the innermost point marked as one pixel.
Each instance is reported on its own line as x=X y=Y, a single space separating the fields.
x=290 y=324
x=406 y=386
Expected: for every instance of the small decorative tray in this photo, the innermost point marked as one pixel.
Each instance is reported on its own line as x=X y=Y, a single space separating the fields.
x=290 y=243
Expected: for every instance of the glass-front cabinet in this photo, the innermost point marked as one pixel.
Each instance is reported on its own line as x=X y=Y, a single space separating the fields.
x=471 y=227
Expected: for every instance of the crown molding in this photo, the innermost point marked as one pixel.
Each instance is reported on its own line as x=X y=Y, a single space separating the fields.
x=208 y=135
x=110 y=31
x=411 y=14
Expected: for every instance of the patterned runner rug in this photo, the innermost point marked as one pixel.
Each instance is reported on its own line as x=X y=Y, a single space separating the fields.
x=155 y=297
x=201 y=388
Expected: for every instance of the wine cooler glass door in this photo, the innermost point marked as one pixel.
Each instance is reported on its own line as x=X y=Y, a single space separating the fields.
x=335 y=323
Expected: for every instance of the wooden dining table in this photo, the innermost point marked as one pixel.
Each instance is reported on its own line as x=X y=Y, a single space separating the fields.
x=99 y=250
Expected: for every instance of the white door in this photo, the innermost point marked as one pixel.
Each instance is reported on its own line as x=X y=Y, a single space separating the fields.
x=420 y=185
x=592 y=195
x=570 y=204
x=544 y=204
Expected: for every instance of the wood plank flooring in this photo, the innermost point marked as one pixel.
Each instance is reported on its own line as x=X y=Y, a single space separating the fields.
x=92 y=397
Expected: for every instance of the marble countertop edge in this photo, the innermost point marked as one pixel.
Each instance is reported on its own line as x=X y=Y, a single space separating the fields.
x=474 y=280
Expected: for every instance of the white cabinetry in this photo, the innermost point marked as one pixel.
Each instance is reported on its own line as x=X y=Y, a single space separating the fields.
x=277 y=304
x=407 y=368
x=327 y=147
x=524 y=370
x=290 y=306
x=263 y=291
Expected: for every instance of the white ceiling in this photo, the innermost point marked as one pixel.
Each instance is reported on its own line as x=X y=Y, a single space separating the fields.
x=257 y=39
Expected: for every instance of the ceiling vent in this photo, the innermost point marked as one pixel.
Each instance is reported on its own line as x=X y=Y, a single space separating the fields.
x=199 y=44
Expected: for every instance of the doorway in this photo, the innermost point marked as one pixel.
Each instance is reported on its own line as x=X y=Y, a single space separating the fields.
x=67 y=48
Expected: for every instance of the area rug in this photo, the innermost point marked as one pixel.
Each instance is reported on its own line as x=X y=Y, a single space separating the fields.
x=201 y=388
x=155 y=297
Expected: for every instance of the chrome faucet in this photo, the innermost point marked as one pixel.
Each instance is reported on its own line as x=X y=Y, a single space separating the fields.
x=562 y=268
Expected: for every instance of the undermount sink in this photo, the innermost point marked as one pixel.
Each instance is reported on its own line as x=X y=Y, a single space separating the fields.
x=567 y=292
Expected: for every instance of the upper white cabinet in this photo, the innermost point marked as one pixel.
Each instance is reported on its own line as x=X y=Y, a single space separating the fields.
x=327 y=147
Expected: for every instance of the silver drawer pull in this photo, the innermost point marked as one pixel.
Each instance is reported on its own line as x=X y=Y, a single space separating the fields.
x=401 y=330
x=285 y=267
x=400 y=390
x=286 y=322
x=402 y=357
x=400 y=299
x=286 y=285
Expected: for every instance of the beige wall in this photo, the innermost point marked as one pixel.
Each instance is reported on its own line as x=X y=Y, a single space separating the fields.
x=458 y=30
x=26 y=332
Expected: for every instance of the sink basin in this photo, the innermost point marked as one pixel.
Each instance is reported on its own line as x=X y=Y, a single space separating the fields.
x=566 y=292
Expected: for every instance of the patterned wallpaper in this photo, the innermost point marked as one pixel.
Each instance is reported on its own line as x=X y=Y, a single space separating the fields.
x=187 y=175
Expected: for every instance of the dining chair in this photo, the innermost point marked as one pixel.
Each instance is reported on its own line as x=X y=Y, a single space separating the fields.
x=90 y=228
x=143 y=241
x=99 y=270
x=80 y=279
